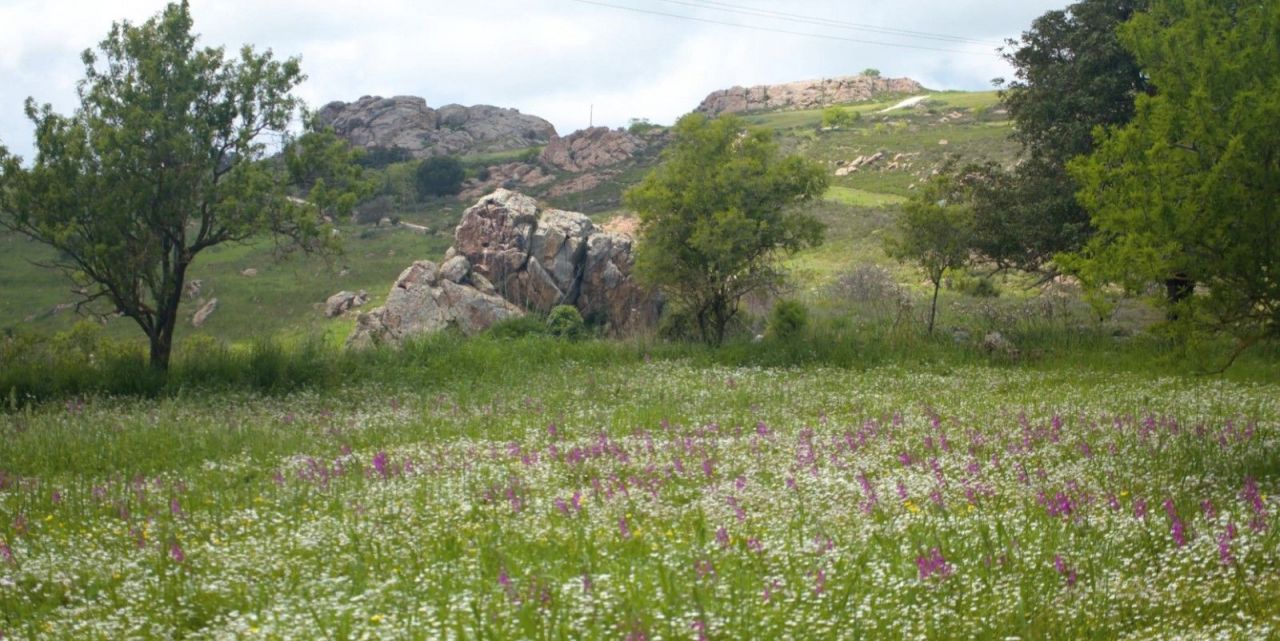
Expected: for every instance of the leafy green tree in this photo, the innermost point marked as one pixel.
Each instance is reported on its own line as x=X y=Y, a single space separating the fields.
x=440 y=176
x=1071 y=75
x=328 y=170
x=164 y=158
x=935 y=231
x=1189 y=191
x=717 y=214
x=839 y=117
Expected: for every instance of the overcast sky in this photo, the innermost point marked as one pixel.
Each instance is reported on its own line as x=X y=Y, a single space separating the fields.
x=563 y=60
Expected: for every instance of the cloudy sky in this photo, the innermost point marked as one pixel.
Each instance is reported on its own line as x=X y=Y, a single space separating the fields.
x=565 y=60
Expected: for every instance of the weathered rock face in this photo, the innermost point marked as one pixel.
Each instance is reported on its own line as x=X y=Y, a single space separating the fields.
x=406 y=122
x=590 y=149
x=540 y=259
x=426 y=298
x=808 y=94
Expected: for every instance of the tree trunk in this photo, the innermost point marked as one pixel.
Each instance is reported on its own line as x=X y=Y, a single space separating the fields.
x=1178 y=288
x=167 y=319
x=933 y=307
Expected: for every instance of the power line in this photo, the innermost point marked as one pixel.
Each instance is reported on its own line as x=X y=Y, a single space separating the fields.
x=825 y=22
x=783 y=31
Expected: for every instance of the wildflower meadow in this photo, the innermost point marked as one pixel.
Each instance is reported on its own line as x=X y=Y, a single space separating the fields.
x=652 y=500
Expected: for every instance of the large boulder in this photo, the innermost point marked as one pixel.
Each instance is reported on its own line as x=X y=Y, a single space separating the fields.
x=343 y=301
x=806 y=94
x=590 y=149
x=539 y=259
x=426 y=299
x=406 y=122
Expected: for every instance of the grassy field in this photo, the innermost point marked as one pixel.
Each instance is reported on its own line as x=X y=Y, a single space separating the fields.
x=538 y=489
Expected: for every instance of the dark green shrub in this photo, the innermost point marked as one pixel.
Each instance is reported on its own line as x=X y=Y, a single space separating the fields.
x=565 y=321
x=788 y=319
x=677 y=324
x=440 y=176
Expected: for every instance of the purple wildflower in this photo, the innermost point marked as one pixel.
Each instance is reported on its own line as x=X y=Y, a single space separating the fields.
x=819 y=581
x=933 y=564
x=6 y=553
x=1210 y=512
x=175 y=551
x=380 y=464
x=1140 y=509
x=722 y=536
x=623 y=529
x=1179 y=532
x=1224 y=544
x=1067 y=572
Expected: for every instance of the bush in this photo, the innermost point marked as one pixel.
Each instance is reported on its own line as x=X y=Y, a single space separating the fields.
x=839 y=117
x=788 y=319
x=440 y=176
x=565 y=321
x=677 y=324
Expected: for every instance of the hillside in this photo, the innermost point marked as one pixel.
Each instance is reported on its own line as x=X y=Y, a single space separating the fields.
x=585 y=171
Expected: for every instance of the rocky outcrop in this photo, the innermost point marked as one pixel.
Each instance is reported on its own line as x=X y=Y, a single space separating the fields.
x=508 y=256
x=809 y=94
x=539 y=259
x=590 y=149
x=406 y=122
x=427 y=298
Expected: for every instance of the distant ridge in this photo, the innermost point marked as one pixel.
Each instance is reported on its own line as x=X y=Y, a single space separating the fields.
x=805 y=94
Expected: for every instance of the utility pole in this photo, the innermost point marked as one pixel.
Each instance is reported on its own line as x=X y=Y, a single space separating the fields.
x=591 y=116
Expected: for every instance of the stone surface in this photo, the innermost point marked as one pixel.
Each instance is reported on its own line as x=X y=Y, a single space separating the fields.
x=406 y=122
x=422 y=301
x=506 y=176
x=808 y=94
x=590 y=149
x=343 y=301
x=455 y=269
x=539 y=259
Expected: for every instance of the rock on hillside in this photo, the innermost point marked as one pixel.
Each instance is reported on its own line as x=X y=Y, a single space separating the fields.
x=408 y=123
x=428 y=298
x=807 y=94
x=508 y=255
x=590 y=149
x=539 y=259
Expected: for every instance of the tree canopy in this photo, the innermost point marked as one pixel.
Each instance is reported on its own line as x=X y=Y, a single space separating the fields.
x=1071 y=74
x=165 y=157
x=440 y=176
x=717 y=214
x=1190 y=188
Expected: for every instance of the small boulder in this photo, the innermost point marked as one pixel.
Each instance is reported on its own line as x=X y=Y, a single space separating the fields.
x=204 y=312
x=249 y=273
x=996 y=344
x=342 y=301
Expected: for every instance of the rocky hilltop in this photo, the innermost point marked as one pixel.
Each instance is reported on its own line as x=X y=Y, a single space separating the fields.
x=406 y=122
x=806 y=94
x=509 y=255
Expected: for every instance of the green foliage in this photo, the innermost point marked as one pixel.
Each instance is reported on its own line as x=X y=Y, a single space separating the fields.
x=835 y=116
x=327 y=169
x=1072 y=75
x=871 y=72
x=440 y=176
x=787 y=320
x=638 y=126
x=164 y=158
x=717 y=215
x=935 y=232
x=565 y=321
x=1187 y=192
